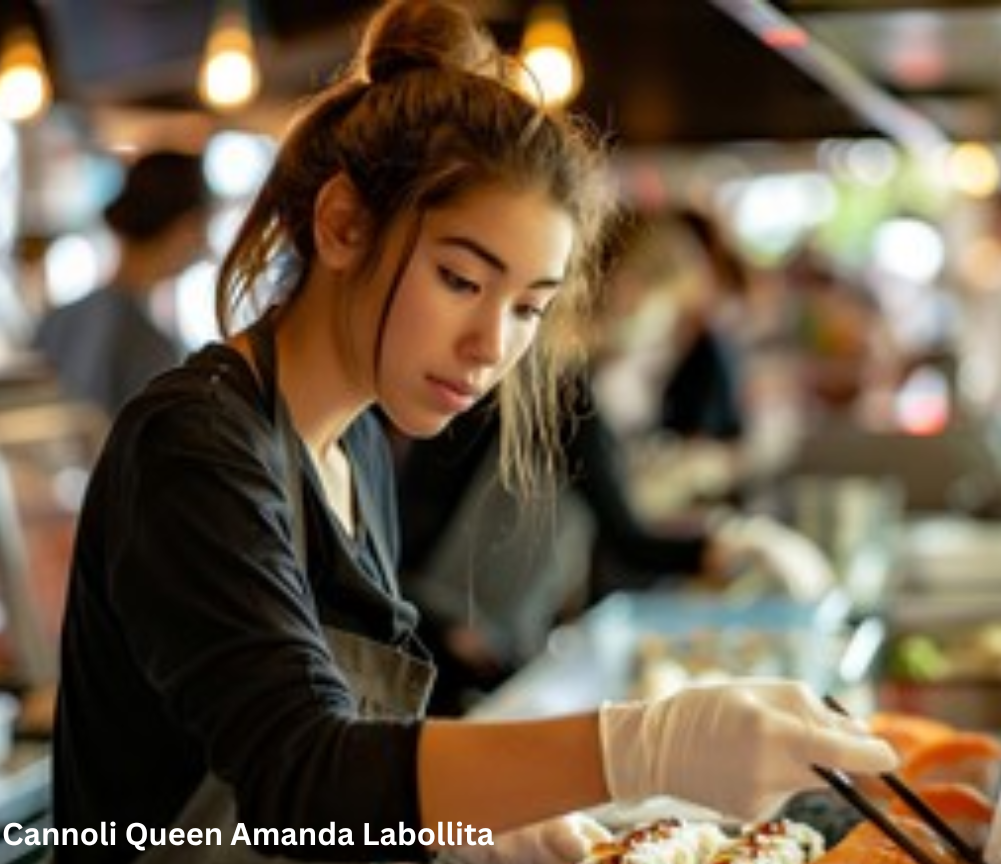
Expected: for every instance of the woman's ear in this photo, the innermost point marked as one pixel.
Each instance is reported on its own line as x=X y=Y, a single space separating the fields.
x=338 y=224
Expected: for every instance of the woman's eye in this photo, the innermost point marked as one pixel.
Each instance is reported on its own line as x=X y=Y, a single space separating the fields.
x=456 y=282
x=532 y=311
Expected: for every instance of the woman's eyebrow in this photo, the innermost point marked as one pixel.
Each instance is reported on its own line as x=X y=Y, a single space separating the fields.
x=495 y=261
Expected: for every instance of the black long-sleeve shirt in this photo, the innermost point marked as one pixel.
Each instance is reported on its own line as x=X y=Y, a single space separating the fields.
x=702 y=397
x=192 y=638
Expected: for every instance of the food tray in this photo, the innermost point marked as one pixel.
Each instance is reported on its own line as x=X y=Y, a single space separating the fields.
x=595 y=658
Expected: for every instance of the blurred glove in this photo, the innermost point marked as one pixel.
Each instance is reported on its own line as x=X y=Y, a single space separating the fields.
x=739 y=748
x=772 y=550
x=563 y=840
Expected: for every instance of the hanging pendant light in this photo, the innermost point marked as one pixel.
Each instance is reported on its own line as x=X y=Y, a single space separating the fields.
x=553 y=74
x=230 y=75
x=25 y=89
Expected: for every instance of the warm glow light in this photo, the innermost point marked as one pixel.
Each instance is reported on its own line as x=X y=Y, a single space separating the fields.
x=973 y=169
x=553 y=74
x=229 y=75
x=785 y=36
x=923 y=402
x=25 y=92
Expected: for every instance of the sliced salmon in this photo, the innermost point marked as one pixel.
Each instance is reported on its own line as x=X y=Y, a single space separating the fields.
x=907 y=732
x=866 y=844
x=963 y=757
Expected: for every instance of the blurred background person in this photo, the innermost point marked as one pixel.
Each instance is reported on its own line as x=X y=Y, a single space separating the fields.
x=493 y=574
x=672 y=375
x=702 y=395
x=106 y=345
x=850 y=363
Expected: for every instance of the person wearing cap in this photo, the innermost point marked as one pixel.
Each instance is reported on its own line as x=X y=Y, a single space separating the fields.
x=105 y=346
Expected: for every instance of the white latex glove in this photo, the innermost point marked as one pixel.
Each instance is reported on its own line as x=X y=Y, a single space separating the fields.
x=740 y=748
x=563 y=840
x=778 y=552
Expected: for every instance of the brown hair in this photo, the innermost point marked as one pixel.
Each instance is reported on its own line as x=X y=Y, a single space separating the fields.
x=426 y=112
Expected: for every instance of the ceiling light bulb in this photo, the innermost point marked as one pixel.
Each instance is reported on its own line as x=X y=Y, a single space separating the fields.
x=229 y=75
x=552 y=69
x=25 y=92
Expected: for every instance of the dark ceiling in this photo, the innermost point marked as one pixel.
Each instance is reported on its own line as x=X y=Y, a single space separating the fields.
x=658 y=72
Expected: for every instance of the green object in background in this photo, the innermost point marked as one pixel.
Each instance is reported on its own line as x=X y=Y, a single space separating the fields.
x=917 y=658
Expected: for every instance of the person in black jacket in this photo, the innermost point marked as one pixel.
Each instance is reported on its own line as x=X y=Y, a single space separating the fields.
x=703 y=393
x=675 y=378
x=492 y=574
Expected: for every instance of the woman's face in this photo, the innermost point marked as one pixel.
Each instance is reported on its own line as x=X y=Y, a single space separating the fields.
x=470 y=302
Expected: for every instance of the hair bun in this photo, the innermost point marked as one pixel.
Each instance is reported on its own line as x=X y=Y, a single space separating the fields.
x=407 y=35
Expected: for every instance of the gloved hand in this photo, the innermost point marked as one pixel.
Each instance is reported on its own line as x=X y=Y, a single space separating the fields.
x=563 y=840
x=771 y=550
x=739 y=748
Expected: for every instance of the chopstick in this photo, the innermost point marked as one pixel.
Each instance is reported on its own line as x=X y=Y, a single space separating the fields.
x=920 y=807
x=932 y=819
x=840 y=783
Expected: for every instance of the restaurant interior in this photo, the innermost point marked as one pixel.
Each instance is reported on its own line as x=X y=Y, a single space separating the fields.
x=849 y=151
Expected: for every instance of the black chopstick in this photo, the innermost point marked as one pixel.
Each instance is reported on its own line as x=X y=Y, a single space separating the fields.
x=932 y=819
x=921 y=808
x=843 y=786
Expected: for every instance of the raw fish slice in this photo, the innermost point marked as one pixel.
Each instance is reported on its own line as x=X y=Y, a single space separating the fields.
x=963 y=757
x=906 y=732
x=967 y=810
x=866 y=844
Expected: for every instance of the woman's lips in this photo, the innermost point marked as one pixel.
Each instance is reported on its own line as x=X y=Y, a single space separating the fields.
x=453 y=396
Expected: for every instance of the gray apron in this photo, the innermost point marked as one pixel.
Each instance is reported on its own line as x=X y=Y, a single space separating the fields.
x=388 y=682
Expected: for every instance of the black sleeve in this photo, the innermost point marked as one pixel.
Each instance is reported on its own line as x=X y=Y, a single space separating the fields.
x=703 y=398
x=222 y=622
x=595 y=469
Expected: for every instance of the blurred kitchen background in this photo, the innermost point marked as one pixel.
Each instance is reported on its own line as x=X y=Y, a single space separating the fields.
x=849 y=149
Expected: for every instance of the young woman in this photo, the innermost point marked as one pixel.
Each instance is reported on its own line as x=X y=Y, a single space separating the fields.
x=236 y=652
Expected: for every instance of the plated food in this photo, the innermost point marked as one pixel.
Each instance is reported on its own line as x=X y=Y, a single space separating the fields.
x=679 y=841
x=955 y=771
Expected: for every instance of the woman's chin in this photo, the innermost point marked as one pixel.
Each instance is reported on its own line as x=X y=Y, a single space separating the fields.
x=422 y=427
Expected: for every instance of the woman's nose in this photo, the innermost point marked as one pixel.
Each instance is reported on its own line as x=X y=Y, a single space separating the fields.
x=486 y=338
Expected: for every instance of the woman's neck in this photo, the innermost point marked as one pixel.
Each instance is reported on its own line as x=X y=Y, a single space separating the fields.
x=313 y=376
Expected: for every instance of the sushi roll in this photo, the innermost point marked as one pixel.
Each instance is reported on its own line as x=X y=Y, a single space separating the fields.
x=675 y=841
x=667 y=841
x=778 y=841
